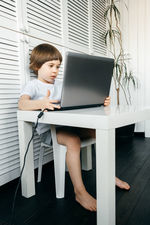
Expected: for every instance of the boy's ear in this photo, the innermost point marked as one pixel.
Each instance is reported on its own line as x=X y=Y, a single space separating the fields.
x=36 y=69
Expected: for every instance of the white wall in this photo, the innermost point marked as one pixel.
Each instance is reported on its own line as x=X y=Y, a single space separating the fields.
x=136 y=29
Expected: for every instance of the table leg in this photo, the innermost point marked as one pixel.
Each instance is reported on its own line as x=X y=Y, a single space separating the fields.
x=27 y=180
x=105 y=176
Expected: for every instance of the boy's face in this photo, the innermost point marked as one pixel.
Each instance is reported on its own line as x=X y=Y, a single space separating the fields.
x=49 y=71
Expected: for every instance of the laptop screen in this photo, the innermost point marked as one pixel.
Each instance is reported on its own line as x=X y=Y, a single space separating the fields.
x=86 y=80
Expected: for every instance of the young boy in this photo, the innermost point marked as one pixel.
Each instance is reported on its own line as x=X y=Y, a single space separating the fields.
x=43 y=93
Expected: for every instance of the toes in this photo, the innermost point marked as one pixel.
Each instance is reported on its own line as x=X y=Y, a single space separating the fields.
x=121 y=184
x=127 y=186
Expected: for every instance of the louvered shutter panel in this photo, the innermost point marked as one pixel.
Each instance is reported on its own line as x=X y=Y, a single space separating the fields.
x=78 y=26
x=99 y=26
x=9 y=94
x=8 y=16
x=44 y=19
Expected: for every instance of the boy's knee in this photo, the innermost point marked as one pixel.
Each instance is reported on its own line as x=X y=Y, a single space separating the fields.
x=73 y=141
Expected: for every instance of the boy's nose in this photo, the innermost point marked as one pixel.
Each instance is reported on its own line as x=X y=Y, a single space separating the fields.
x=54 y=69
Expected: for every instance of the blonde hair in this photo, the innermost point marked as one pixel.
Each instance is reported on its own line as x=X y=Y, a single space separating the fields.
x=41 y=54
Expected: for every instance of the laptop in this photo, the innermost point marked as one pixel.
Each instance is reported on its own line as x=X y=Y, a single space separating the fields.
x=86 y=81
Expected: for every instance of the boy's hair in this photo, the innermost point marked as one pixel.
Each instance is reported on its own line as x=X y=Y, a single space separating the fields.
x=41 y=54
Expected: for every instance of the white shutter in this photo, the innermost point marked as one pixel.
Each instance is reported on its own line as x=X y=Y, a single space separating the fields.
x=8 y=13
x=99 y=26
x=44 y=19
x=9 y=94
x=78 y=26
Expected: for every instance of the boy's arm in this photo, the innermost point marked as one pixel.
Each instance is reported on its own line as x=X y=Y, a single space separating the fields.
x=25 y=103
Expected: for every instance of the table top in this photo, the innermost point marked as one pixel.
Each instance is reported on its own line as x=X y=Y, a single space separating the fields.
x=97 y=118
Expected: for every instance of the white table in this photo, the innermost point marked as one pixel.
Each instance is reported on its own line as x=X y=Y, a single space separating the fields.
x=104 y=120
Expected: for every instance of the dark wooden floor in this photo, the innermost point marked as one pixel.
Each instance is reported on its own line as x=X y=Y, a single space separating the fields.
x=132 y=208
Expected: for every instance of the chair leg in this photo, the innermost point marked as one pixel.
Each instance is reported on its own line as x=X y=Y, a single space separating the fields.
x=59 y=166
x=40 y=163
x=86 y=158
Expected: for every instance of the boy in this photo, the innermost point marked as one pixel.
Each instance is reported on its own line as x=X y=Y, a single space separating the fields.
x=43 y=93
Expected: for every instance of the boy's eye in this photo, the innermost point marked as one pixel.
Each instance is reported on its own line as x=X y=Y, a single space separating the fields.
x=53 y=66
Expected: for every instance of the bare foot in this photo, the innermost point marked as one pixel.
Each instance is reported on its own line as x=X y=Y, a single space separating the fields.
x=86 y=200
x=122 y=184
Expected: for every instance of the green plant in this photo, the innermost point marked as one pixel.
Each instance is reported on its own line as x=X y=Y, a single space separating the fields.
x=122 y=76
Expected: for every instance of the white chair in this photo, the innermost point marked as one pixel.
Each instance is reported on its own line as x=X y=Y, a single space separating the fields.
x=59 y=152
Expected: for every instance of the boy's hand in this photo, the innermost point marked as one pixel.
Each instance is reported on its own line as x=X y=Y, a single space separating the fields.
x=49 y=104
x=107 y=101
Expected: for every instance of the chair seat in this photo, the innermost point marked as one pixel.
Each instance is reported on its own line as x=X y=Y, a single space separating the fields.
x=86 y=142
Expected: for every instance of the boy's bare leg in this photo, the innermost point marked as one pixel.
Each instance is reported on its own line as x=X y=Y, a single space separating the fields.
x=72 y=142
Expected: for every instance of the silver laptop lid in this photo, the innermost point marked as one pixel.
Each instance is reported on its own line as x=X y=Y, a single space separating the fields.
x=86 y=80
